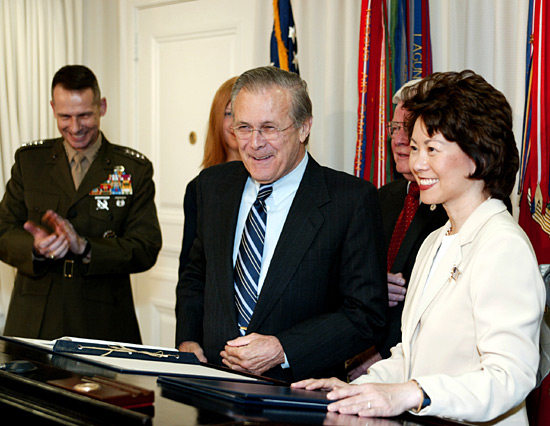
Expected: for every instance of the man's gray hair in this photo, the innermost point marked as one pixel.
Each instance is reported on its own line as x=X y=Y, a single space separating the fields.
x=399 y=95
x=258 y=79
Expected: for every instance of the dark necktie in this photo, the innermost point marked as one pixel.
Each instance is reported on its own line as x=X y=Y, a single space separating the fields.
x=249 y=259
x=403 y=222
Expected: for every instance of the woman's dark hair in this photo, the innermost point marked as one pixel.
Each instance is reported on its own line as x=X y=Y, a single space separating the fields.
x=467 y=110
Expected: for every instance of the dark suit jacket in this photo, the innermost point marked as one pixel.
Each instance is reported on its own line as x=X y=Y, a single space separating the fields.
x=392 y=198
x=189 y=224
x=325 y=294
x=123 y=231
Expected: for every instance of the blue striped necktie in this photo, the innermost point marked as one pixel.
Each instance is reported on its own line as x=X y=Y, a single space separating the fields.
x=249 y=259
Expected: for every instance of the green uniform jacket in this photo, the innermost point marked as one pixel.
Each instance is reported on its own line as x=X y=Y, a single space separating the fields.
x=55 y=298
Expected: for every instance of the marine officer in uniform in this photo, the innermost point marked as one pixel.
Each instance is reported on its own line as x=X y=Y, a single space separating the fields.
x=77 y=218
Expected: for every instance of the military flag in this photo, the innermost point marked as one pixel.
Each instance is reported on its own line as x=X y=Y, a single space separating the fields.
x=534 y=216
x=388 y=57
x=371 y=156
x=410 y=40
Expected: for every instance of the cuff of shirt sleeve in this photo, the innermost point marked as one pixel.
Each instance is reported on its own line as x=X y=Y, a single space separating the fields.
x=285 y=364
x=37 y=256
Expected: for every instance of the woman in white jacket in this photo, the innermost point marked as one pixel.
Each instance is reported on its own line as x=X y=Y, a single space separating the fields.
x=471 y=321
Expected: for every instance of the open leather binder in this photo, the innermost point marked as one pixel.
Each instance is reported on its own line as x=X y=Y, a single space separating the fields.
x=248 y=393
x=72 y=353
x=123 y=350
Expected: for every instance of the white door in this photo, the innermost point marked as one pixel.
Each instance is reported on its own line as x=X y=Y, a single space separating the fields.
x=182 y=53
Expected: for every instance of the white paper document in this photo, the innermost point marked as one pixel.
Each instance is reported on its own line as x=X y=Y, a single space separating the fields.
x=137 y=366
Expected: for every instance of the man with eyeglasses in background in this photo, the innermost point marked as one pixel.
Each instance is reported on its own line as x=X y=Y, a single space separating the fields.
x=298 y=298
x=401 y=251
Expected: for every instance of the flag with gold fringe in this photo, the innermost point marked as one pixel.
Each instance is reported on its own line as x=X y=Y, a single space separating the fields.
x=534 y=216
x=284 y=46
x=387 y=59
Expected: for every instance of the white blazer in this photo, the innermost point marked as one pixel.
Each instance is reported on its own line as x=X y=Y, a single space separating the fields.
x=470 y=336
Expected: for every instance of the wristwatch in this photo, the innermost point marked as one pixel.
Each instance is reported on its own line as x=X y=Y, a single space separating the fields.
x=426 y=401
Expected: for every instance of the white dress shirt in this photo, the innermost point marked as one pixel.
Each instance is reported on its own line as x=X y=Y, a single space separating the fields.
x=277 y=205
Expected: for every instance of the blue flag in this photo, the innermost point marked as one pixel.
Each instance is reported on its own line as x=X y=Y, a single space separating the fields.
x=284 y=45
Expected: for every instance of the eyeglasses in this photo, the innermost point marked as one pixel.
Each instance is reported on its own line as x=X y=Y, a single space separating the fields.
x=270 y=133
x=395 y=126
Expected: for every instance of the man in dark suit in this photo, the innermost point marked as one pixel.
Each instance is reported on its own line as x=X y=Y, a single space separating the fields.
x=76 y=219
x=320 y=289
x=427 y=218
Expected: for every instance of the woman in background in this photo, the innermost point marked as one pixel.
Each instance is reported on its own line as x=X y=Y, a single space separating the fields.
x=471 y=321
x=220 y=146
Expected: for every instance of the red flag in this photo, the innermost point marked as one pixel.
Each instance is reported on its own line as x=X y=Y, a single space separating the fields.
x=372 y=138
x=381 y=72
x=534 y=215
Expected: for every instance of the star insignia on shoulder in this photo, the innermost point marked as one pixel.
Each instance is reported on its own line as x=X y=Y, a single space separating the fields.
x=37 y=142
x=130 y=152
x=133 y=153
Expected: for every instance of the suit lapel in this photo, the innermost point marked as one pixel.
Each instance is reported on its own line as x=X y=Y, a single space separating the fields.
x=450 y=264
x=301 y=226
x=418 y=224
x=423 y=295
x=442 y=277
x=392 y=205
x=60 y=172
x=229 y=193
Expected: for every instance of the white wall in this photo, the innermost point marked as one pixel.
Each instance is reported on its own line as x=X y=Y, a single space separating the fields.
x=102 y=54
x=487 y=36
